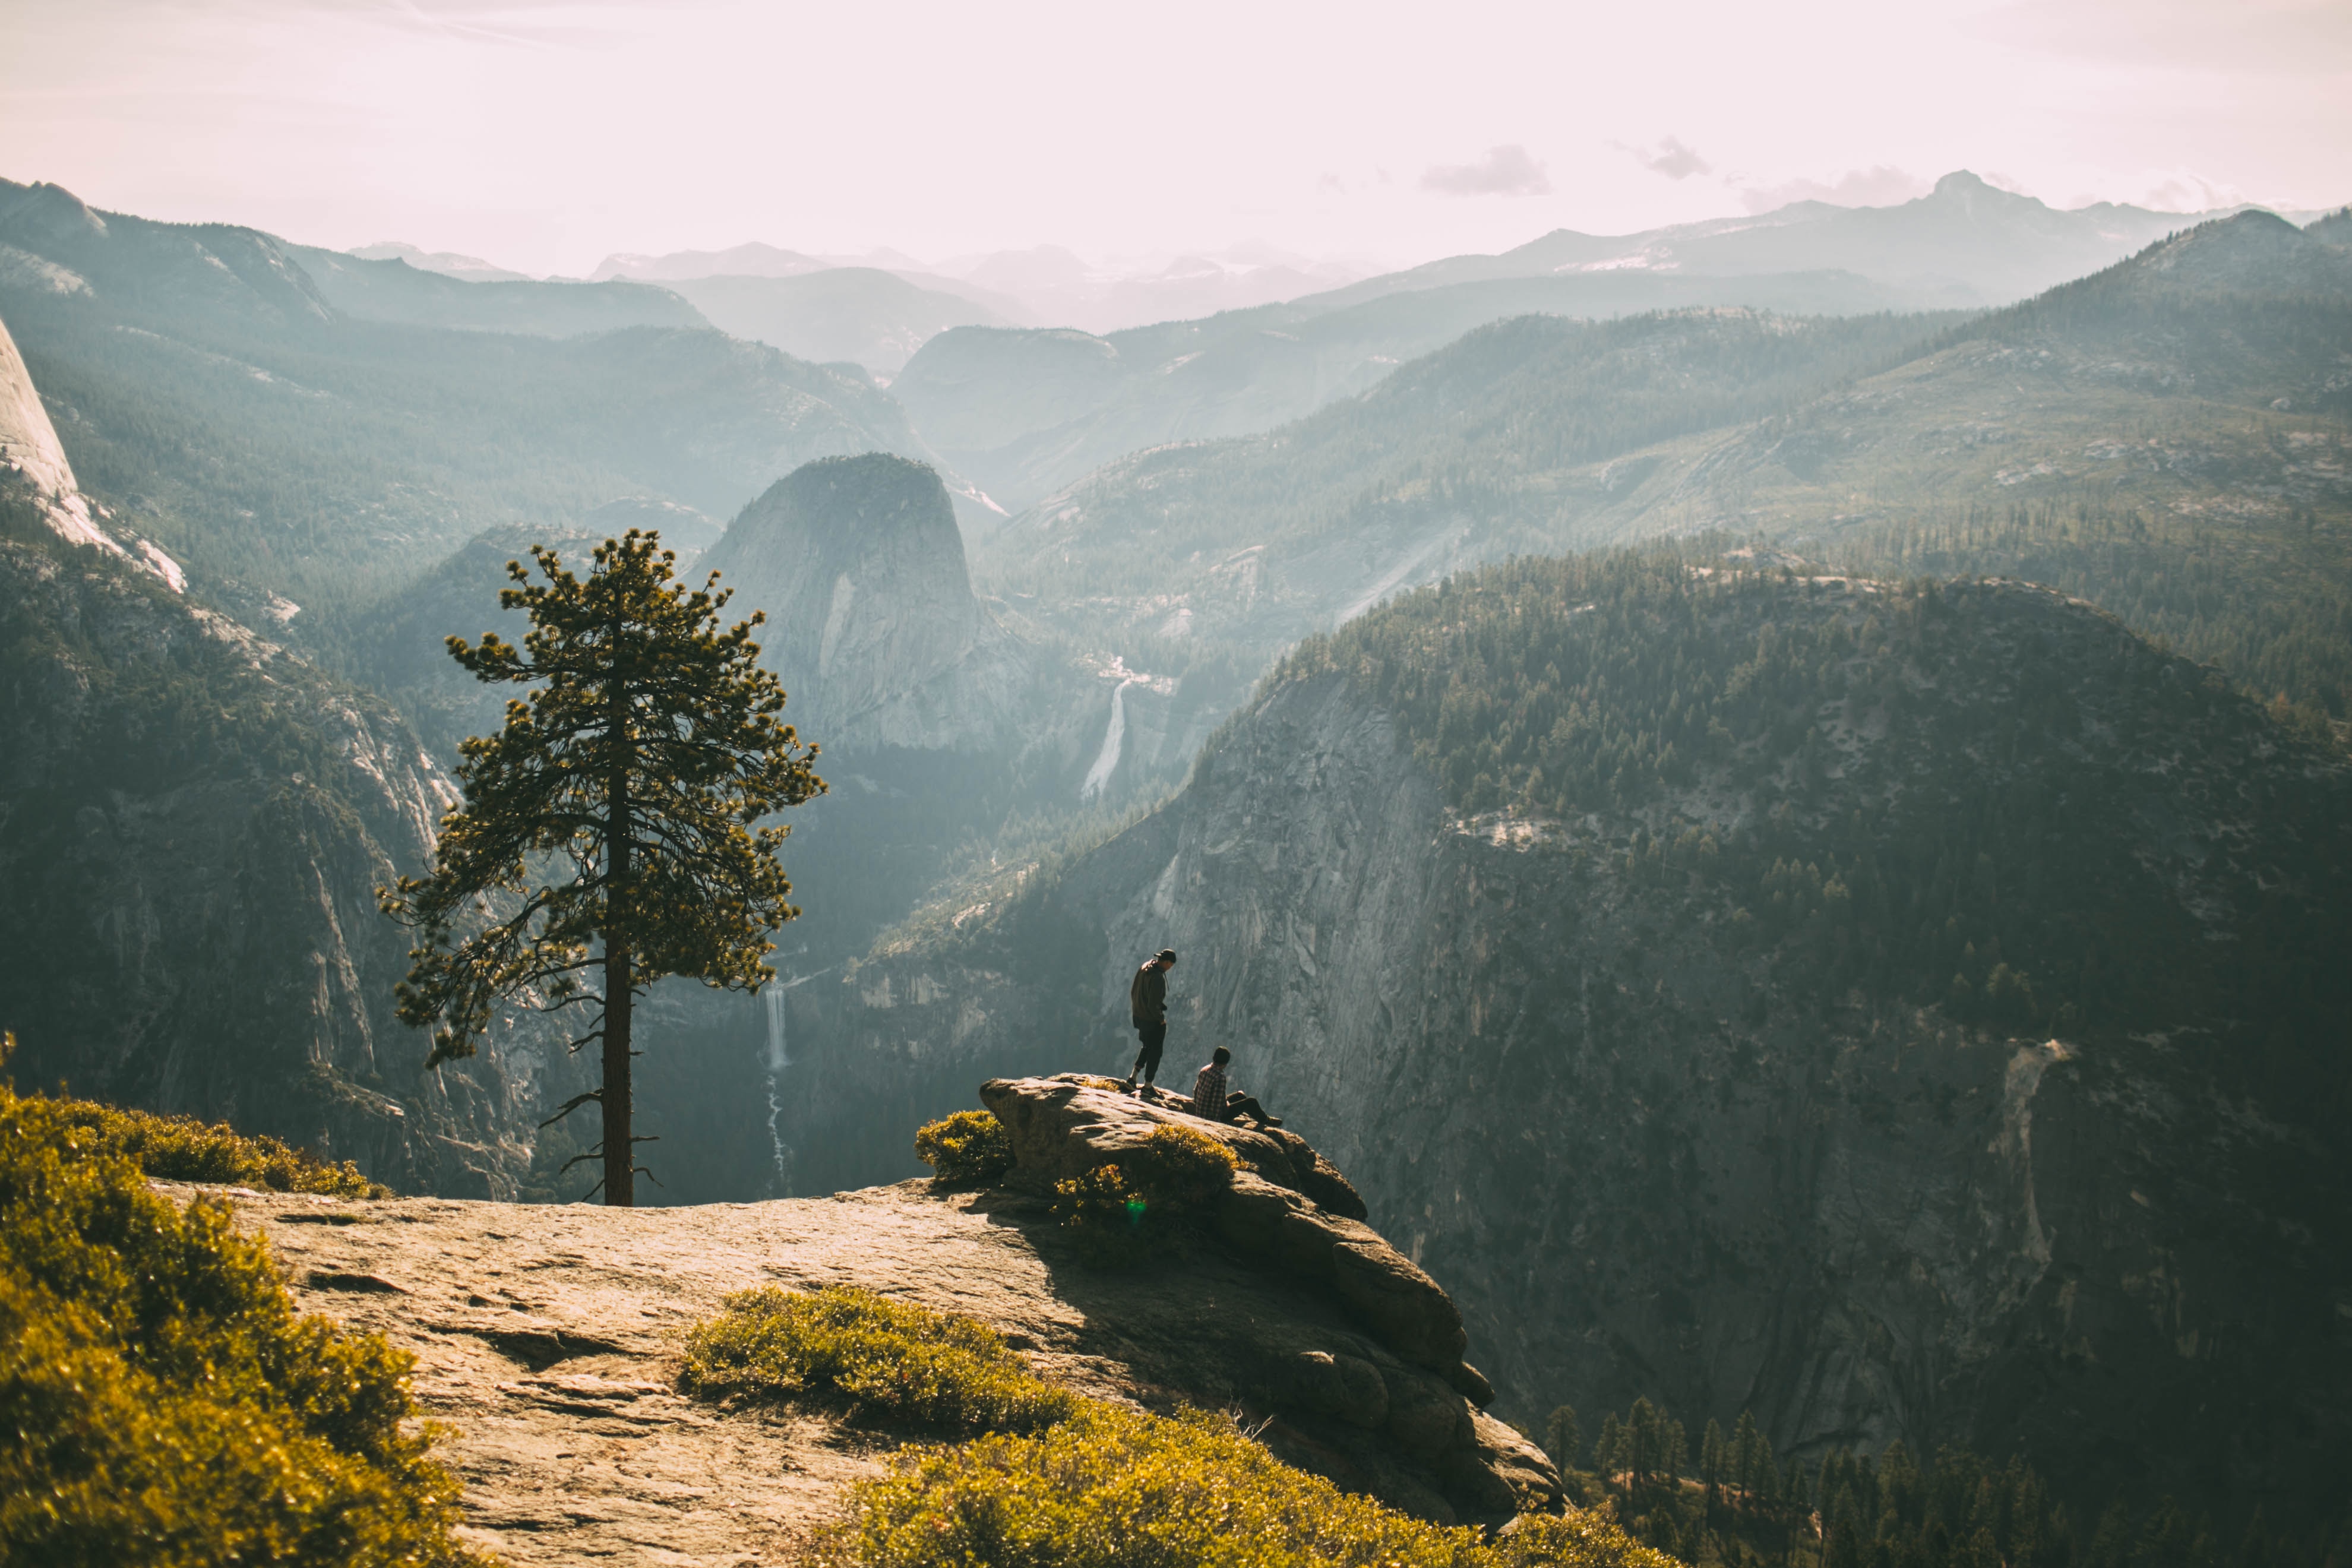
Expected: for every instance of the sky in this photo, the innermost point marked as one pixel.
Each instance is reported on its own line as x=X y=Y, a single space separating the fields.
x=545 y=134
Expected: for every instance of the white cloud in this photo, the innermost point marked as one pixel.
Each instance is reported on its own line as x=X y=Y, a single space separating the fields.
x=1669 y=157
x=1506 y=172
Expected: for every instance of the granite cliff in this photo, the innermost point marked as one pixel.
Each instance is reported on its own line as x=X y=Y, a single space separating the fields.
x=1673 y=1128
x=193 y=821
x=872 y=624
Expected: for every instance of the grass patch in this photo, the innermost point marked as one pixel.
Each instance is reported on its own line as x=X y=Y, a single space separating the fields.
x=902 y=1362
x=182 y=1149
x=971 y=1146
x=1114 y=1487
x=161 y=1401
x=1051 y=1480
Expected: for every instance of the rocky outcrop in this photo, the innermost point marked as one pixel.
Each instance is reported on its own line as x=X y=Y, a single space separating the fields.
x=30 y=451
x=1291 y=1212
x=1067 y=1125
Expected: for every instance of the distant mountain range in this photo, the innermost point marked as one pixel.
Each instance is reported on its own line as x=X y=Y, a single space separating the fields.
x=1967 y=242
x=862 y=315
x=325 y=435
x=1046 y=285
x=2169 y=382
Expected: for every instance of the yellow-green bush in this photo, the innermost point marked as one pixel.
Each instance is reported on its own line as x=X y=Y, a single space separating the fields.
x=1124 y=1213
x=1115 y=1488
x=1055 y=1480
x=1107 y=1219
x=970 y=1146
x=1181 y=1167
x=1588 y=1538
x=904 y=1362
x=160 y=1401
x=182 y=1149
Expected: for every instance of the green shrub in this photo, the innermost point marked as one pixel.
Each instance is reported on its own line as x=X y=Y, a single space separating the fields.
x=970 y=1146
x=1181 y=1167
x=1123 y=1213
x=1108 y=1221
x=160 y=1401
x=1116 y=1488
x=182 y=1149
x=906 y=1362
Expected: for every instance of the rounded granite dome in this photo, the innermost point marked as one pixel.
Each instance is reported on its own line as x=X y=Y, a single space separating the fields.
x=859 y=566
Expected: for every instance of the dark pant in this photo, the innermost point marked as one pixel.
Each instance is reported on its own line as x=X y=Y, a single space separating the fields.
x=1147 y=1060
x=1243 y=1105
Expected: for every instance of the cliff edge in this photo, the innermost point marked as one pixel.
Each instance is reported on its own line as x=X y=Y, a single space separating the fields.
x=550 y=1337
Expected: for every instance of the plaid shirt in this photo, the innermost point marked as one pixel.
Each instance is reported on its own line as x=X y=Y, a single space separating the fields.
x=1208 y=1093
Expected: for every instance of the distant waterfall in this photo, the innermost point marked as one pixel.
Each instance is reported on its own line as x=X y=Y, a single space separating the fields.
x=779 y=1059
x=1107 y=760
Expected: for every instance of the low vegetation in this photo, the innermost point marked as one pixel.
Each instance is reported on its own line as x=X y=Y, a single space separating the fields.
x=162 y=1402
x=968 y=1148
x=1147 y=1202
x=184 y=1149
x=1115 y=1489
x=902 y=1364
x=1049 y=1477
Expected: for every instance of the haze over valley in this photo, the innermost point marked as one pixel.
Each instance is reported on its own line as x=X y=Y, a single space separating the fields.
x=1753 y=755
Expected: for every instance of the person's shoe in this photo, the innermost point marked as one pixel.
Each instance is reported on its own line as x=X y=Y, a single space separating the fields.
x=1270 y=1122
x=1128 y=1085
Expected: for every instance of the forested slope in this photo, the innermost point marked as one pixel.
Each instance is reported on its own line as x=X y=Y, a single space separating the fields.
x=2195 y=392
x=1890 y=1010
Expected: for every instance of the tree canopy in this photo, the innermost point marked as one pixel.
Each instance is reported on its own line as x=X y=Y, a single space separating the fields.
x=610 y=833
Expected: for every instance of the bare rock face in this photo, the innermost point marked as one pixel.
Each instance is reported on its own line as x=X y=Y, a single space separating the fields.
x=1292 y=1215
x=191 y=922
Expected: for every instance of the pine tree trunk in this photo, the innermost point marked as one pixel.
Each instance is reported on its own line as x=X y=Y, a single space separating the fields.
x=620 y=1167
x=620 y=1150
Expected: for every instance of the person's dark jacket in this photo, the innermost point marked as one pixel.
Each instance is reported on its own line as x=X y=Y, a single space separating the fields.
x=1147 y=994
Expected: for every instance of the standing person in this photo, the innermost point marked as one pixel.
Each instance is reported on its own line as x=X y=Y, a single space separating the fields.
x=1147 y=997
x=1211 y=1099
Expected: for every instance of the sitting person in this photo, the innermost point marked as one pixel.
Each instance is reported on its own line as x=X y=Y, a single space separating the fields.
x=1211 y=1099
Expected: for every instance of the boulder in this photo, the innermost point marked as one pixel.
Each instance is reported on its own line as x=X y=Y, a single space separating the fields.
x=1066 y=1125
x=1427 y=1419
x=1345 y=1387
x=1498 y=1452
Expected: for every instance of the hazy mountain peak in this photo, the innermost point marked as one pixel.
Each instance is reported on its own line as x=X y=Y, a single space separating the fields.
x=47 y=210
x=2251 y=251
x=753 y=259
x=448 y=263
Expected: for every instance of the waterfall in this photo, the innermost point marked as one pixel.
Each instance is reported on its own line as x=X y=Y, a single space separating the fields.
x=779 y=1059
x=1107 y=760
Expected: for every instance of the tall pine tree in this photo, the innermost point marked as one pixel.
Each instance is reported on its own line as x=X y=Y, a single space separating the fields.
x=610 y=832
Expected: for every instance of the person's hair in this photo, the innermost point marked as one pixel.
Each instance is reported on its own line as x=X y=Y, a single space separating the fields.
x=1166 y=955
x=1221 y=1055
